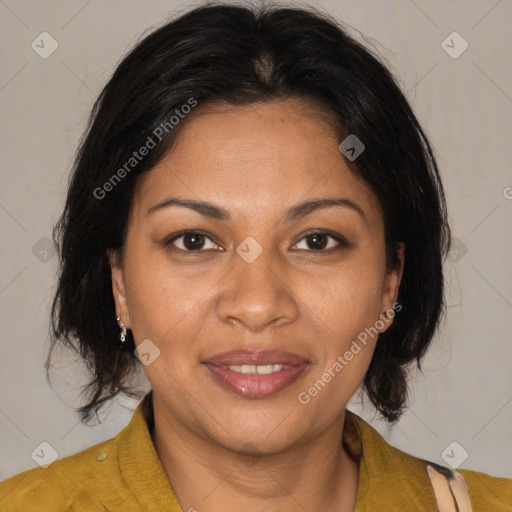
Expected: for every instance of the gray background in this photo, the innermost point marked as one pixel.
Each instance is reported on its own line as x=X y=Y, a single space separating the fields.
x=465 y=105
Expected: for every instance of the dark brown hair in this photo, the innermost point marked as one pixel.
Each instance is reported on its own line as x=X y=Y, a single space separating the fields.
x=242 y=55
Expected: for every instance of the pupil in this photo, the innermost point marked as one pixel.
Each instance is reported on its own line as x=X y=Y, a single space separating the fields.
x=196 y=241
x=317 y=245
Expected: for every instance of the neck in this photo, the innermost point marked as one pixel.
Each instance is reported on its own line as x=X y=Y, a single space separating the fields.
x=204 y=475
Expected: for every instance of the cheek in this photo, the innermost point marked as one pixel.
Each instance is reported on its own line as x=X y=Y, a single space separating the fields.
x=348 y=316
x=347 y=300
x=348 y=342
x=158 y=295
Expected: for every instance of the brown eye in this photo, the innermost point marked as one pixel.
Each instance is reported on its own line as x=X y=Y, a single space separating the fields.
x=191 y=241
x=319 y=241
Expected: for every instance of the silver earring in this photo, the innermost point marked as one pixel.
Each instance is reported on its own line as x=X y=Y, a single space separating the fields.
x=122 y=329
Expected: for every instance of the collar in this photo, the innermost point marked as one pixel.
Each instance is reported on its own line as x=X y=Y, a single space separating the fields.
x=140 y=464
x=381 y=466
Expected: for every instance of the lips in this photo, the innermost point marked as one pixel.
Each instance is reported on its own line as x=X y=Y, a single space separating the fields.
x=222 y=367
x=256 y=357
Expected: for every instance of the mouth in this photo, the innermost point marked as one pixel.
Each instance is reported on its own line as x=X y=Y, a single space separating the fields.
x=256 y=374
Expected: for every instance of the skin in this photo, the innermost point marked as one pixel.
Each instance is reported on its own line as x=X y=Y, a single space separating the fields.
x=255 y=162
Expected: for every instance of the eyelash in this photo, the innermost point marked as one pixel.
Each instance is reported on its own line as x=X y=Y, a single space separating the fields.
x=342 y=243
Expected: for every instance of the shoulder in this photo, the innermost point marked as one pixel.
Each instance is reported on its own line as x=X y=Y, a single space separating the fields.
x=74 y=479
x=488 y=492
x=425 y=484
x=36 y=489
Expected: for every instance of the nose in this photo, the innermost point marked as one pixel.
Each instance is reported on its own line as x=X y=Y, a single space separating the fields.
x=257 y=295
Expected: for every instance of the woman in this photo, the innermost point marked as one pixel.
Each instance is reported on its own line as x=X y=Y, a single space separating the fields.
x=256 y=216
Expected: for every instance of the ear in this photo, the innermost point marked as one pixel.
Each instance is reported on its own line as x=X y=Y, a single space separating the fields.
x=390 y=289
x=119 y=287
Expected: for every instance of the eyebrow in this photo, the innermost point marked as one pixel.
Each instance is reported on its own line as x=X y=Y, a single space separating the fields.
x=295 y=212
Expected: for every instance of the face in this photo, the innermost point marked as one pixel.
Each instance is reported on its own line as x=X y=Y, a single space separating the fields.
x=251 y=271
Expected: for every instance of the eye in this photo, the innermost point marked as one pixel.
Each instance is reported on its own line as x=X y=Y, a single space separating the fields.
x=191 y=241
x=199 y=241
x=319 y=241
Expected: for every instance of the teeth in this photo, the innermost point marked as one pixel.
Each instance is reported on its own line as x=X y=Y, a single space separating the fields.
x=263 y=369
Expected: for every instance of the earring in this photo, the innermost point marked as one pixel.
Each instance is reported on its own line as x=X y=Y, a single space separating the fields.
x=122 y=333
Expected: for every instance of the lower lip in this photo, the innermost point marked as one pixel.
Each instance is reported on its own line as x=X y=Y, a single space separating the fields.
x=256 y=386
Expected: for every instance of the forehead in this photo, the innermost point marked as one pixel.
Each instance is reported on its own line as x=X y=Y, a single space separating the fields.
x=267 y=155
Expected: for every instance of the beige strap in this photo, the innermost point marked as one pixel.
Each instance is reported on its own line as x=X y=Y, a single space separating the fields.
x=450 y=489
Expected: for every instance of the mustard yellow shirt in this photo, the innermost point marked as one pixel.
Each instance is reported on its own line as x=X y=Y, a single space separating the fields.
x=124 y=474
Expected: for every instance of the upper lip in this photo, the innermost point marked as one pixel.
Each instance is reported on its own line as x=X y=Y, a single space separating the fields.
x=255 y=357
